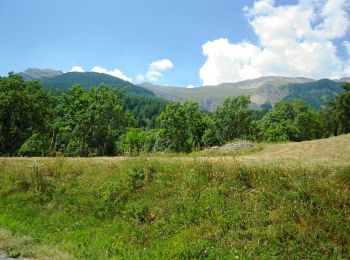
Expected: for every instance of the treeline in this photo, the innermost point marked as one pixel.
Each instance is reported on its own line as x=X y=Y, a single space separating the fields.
x=104 y=121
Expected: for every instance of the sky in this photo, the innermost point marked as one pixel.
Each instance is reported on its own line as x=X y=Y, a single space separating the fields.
x=186 y=43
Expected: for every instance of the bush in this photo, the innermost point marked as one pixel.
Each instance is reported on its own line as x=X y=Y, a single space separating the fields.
x=211 y=137
x=36 y=145
x=134 y=141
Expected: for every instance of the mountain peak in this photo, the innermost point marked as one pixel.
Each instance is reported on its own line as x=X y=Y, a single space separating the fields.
x=37 y=74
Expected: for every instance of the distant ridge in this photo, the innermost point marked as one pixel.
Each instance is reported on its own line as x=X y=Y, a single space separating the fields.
x=263 y=91
x=62 y=81
x=37 y=74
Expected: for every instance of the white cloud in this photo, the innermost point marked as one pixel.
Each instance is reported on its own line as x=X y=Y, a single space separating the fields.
x=155 y=69
x=347 y=47
x=115 y=73
x=191 y=86
x=77 y=69
x=294 y=40
x=161 y=65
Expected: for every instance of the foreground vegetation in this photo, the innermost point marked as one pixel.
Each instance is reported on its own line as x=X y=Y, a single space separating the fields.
x=189 y=207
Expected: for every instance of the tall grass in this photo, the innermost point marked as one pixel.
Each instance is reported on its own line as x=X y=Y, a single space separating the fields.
x=150 y=208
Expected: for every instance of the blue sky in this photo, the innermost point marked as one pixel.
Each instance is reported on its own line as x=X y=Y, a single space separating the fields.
x=128 y=36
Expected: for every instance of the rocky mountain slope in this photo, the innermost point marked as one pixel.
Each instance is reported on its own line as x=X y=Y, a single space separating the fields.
x=263 y=91
x=37 y=74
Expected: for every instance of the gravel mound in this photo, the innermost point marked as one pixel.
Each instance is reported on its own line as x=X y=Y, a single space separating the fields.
x=237 y=146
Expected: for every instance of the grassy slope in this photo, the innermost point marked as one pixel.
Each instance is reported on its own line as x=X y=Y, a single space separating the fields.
x=193 y=207
x=331 y=151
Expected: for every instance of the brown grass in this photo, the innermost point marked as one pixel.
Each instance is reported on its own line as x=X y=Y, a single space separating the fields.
x=28 y=248
x=334 y=151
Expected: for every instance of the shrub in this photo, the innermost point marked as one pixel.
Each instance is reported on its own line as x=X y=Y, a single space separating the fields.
x=36 y=145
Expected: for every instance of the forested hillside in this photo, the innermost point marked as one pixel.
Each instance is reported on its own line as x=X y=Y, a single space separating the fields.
x=88 y=79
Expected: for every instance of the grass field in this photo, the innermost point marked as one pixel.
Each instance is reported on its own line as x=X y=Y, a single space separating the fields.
x=275 y=201
x=334 y=151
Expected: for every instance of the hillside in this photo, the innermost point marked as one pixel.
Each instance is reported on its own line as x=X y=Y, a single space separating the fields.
x=265 y=90
x=37 y=74
x=88 y=79
x=258 y=206
x=333 y=151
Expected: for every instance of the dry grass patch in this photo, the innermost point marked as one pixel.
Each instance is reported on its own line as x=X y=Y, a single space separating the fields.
x=332 y=151
x=24 y=247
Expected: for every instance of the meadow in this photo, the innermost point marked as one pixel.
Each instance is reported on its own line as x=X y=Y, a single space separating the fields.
x=288 y=200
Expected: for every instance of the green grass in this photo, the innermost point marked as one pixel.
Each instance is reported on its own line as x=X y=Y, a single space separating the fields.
x=160 y=208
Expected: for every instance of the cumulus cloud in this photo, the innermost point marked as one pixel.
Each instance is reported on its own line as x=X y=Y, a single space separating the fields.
x=155 y=70
x=294 y=40
x=77 y=69
x=191 y=86
x=163 y=64
x=347 y=47
x=115 y=73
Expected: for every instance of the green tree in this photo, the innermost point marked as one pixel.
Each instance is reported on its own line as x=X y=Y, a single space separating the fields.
x=234 y=119
x=342 y=109
x=211 y=135
x=291 y=120
x=134 y=141
x=24 y=109
x=329 y=119
x=90 y=121
x=182 y=126
x=37 y=145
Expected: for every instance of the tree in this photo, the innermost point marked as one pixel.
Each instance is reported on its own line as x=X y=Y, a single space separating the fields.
x=134 y=140
x=342 y=109
x=37 y=145
x=329 y=119
x=90 y=121
x=24 y=109
x=291 y=120
x=182 y=126
x=234 y=118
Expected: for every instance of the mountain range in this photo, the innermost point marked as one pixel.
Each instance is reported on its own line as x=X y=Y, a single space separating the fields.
x=264 y=91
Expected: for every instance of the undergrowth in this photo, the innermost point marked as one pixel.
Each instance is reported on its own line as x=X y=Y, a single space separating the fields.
x=156 y=209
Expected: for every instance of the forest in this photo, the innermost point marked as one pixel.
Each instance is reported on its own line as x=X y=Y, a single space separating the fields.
x=105 y=121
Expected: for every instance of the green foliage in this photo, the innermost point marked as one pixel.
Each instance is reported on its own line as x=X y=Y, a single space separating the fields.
x=103 y=121
x=145 y=109
x=36 y=145
x=315 y=94
x=294 y=121
x=234 y=118
x=90 y=79
x=329 y=119
x=182 y=126
x=24 y=109
x=90 y=121
x=134 y=141
x=211 y=136
x=342 y=109
x=155 y=209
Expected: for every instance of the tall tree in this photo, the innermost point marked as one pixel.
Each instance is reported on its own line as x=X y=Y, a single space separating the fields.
x=342 y=109
x=182 y=126
x=234 y=119
x=24 y=110
x=291 y=120
x=90 y=120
